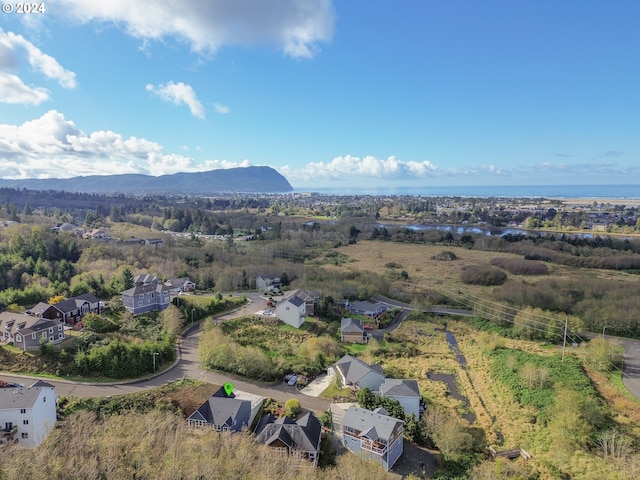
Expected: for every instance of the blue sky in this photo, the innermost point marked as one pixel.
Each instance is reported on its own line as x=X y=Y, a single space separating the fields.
x=331 y=94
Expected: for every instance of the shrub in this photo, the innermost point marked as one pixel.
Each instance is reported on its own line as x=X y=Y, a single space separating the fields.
x=446 y=256
x=518 y=266
x=292 y=407
x=95 y=323
x=483 y=275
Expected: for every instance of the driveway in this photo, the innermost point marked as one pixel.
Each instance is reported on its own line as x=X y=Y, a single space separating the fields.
x=186 y=366
x=317 y=386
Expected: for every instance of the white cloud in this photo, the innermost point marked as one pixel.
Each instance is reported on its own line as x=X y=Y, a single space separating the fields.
x=368 y=167
x=178 y=94
x=222 y=109
x=54 y=147
x=295 y=26
x=12 y=88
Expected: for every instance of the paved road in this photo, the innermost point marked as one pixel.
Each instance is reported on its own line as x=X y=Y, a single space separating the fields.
x=187 y=366
x=631 y=369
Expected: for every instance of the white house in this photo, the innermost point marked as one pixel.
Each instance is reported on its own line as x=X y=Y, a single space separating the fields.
x=292 y=308
x=27 y=414
x=404 y=391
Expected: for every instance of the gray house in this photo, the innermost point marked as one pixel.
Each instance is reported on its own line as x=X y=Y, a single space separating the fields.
x=222 y=412
x=268 y=283
x=373 y=435
x=404 y=391
x=298 y=440
x=354 y=372
x=146 y=298
x=368 y=309
x=26 y=331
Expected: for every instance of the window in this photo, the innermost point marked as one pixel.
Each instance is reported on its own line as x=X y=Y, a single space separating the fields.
x=25 y=422
x=50 y=329
x=61 y=335
x=44 y=335
x=44 y=399
x=60 y=327
x=33 y=336
x=23 y=410
x=25 y=435
x=18 y=338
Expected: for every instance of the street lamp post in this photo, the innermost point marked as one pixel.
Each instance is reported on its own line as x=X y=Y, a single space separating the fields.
x=603 y=329
x=154 y=355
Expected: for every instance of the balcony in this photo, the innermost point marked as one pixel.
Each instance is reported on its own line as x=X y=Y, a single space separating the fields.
x=374 y=447
x=7 y=434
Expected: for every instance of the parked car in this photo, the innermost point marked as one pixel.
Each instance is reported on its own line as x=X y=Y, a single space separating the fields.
x=293 y=380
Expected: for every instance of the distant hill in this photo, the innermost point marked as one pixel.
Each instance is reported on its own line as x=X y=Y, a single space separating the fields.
x=232 y=180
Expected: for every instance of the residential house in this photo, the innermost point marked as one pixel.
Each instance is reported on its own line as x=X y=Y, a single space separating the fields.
x=292 y=308
x=180 y=285
x=310 y=298
x=146 y=298
x=373 y=435
x=268 y=283
x=404 y=391
x=26 y=331
x=146 y=279
x=154 y=242
x=96 y=234
x=70 y=310
x=352 y=330
x=352 y=371
x=223 y=413
x=298 y=441
x=27 y=414
x=368 y=309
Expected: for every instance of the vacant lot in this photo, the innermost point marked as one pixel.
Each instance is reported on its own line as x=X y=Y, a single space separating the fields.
x=428 y=274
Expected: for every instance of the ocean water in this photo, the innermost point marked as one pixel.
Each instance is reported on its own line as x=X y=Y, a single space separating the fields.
x=631 y=192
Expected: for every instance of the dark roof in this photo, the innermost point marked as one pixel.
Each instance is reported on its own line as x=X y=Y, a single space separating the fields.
x=223 y=410
x=89 y=297
x=302 y=434
x=142 y=289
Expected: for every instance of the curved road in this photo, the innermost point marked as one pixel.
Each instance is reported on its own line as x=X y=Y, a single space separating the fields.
x=187 y=366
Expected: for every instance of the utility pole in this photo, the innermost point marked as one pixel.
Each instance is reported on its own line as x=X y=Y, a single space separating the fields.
x=154 y=355
x=564 y=343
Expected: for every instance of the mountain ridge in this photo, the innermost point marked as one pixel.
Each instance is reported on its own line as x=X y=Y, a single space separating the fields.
x=233 y=180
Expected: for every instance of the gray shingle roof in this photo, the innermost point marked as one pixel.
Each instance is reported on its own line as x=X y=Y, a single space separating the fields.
x=351 y=325
x=369 y=423
x=142 y=289
x=353 y=369
x=223 y=410
x=302 y=434
x=21 y=397
x=395 y=387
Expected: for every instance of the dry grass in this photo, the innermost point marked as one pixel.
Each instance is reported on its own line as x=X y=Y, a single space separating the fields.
x=426 y=273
